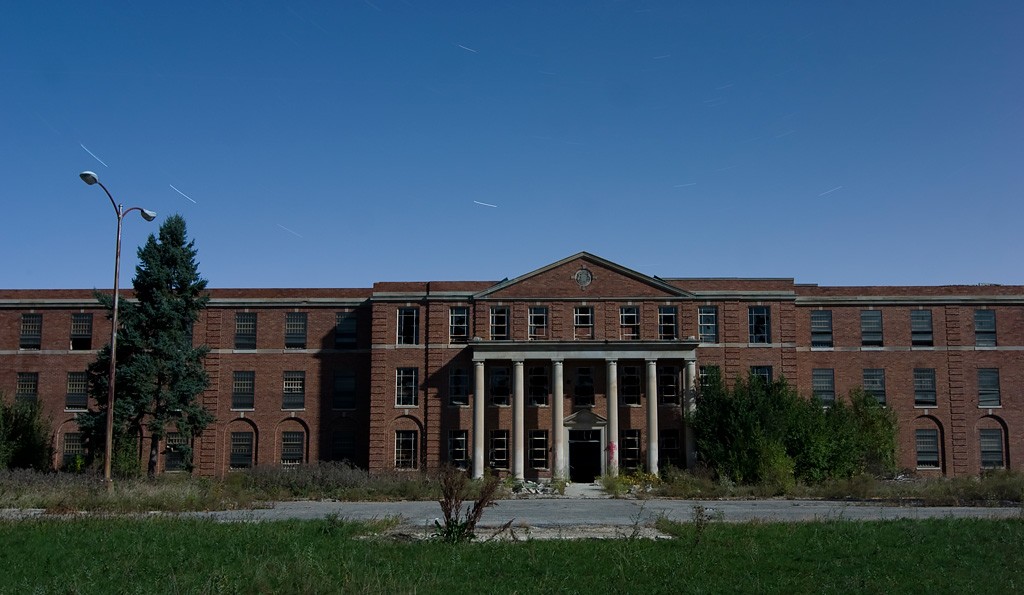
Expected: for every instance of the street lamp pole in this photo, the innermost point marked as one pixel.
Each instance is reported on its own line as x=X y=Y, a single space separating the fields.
x=90 y=178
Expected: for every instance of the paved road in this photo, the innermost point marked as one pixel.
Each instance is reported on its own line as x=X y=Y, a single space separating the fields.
x=573 y=512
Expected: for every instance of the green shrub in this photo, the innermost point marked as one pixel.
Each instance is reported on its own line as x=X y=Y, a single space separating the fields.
x=765 y=433
x=24 y=436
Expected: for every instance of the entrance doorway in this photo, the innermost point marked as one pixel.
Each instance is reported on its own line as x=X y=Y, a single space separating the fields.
x=584 y=455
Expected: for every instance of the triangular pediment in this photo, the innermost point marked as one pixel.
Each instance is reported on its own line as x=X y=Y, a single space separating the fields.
x=583 y=275
x=585 y=418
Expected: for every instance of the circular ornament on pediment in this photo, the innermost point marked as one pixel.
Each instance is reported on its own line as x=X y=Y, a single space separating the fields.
x=583 y=277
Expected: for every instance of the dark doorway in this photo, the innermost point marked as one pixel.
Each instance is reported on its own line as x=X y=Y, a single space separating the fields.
x=584 y=455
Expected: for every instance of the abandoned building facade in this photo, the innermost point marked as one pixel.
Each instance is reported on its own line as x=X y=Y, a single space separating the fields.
x=577 y=369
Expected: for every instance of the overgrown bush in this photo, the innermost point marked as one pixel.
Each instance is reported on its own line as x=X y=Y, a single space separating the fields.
x=459 y=523
x=765 y=433
x=24 y=436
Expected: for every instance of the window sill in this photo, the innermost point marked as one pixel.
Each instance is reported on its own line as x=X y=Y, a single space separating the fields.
x=293 y=409
x=538 y=406
x=397 y=406
x=932 y=406
x=67 y=410
x=872 y=347
x=990 y=406
x=936 y=468
x=823 y=348
x=243 y=409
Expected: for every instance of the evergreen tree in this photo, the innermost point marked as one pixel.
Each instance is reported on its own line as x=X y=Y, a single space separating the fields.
x=159 y=372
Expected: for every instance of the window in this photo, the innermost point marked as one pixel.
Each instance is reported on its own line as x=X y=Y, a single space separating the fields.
x=406 y=387
x=537 y=442
x=583 y=322
x=927 y=448
x=538 y=322
x=345 y=330
x=668 y=448
x=500 y=384
x=584 y=391
x=294 y=390
x=292 y=448
x=77 y=397
x=924 y=387
x=629 y=449
x=921 y=328
x=406 y=449
x=705 y=373
x=408 y=326
x=821 y=328
x=343 y=445
x=295 y=330
x=985 y=328
x=988 y=387
x=759 y=324
x=245 y=330
x=344 y=394
x=629 y=385
x=31 y=331
x=500 y=323
x=668 y=323
x=629 y=323
x=871 y=328
x=707 y=324
x=27 y=390
x=823 y=385
x=668 y=385
x=241 y=450
x=991 y=448
x=175 y=447
x=761 y=374
x=874 y=383
x=458 y=324
x=458 y=448
x=537 y=385
x=243 y=390
x=458 y=386
x=81 y=332
x=74 y=449
x=498 y=451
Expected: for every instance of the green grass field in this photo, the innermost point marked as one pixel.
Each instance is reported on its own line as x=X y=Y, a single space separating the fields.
x=165 y=555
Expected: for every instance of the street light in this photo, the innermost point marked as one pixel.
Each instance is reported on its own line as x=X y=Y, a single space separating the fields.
x=90 y=178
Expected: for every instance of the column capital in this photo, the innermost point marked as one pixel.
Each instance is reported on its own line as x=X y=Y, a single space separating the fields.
x=611 y=360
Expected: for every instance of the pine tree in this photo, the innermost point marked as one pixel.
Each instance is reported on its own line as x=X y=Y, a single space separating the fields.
x=160 y=372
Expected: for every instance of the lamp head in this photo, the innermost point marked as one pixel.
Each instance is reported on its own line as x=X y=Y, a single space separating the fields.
x=147 y=214
x=88 y=177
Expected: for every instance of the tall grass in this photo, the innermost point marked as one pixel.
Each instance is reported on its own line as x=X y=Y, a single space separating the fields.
x=990 y=489
x=70 y=492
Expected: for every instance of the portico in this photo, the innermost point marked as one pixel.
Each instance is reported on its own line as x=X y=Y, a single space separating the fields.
x=584 y=415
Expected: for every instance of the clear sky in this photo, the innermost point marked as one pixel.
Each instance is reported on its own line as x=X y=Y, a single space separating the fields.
x=334 y=144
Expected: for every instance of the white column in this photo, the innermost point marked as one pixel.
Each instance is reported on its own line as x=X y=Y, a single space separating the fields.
x=652 y=416
x=518 y=434
x=691 y=409
x=558 y=420
x=613 y=417
x=478 y=419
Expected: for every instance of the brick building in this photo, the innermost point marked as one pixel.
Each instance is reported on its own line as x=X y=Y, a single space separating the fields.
x=575 y=369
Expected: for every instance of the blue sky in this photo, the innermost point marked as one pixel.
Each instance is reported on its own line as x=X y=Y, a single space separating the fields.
x=336 y=144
